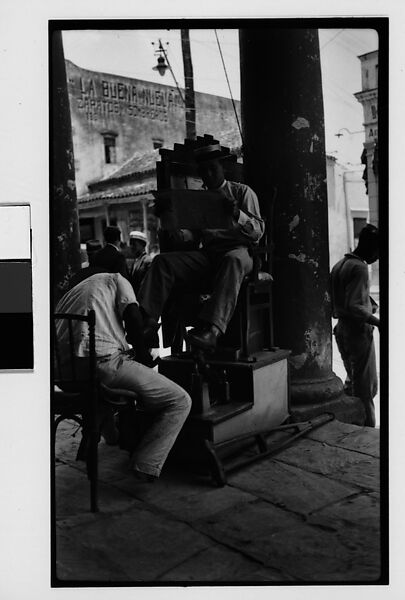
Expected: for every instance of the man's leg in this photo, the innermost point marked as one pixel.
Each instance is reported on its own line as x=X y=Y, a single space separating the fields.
x=166 y=270
x=157 y=394
x=343 y=343
x=356 y=346
x=231 y=269
x=365 y=382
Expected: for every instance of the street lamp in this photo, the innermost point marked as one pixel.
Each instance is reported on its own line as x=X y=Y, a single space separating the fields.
x=161 y=66
x=189 y=100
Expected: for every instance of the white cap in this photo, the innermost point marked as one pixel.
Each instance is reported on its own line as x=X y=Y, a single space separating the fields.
x=138 y=235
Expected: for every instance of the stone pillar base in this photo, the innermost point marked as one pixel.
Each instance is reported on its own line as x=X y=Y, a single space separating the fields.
x=347 y=409
x=317 y=389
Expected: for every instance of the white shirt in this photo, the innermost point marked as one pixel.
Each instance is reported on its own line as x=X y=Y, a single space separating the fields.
x=108 y=294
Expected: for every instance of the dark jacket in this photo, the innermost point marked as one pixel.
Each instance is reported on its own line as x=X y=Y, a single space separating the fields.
x=112 y=260
x=139 y=269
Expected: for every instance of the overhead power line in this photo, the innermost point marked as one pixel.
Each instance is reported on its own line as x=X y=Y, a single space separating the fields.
x=229 y=87
x=331 y=39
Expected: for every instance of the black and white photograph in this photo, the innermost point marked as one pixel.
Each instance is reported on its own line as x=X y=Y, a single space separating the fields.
x=215 y=240
x=210 y=238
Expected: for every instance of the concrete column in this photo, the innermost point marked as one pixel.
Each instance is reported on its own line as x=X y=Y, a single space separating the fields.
x=65 y=234
x=285 y=162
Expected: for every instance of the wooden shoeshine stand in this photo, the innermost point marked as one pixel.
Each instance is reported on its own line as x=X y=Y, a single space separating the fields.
x=242 y=389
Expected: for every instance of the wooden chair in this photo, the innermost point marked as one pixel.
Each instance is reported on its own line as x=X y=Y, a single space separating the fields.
x=74 y=395
x=79 y=396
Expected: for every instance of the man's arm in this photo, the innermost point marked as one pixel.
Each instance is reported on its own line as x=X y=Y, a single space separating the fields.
x=134 y=329
x=128 y=309
x=247 y=215
x=357 y=296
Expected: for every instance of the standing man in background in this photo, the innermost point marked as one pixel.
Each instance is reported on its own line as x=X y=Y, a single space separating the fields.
x=111 y=257
x=142 y=260
x=354 y=309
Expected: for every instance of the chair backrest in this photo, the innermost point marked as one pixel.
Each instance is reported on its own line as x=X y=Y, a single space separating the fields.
x=72 y=373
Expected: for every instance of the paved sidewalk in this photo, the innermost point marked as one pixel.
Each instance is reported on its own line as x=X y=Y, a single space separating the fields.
x=310 y=514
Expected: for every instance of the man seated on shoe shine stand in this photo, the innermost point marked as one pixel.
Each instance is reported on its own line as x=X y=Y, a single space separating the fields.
x=119 y=325
x=223 y=253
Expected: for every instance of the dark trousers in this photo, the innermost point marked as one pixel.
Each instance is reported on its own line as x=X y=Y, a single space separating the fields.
x=193 y=269
x=356 y=346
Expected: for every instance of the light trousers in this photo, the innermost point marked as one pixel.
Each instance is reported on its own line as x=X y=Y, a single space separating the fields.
x=157 y=394
x=196 y=268
x=356 y=347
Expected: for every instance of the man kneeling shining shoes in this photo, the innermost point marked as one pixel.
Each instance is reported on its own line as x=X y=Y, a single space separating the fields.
x=119 y=325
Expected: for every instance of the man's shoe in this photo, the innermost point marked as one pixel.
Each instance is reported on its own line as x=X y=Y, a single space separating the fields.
x=207 y=340
x=144 y=477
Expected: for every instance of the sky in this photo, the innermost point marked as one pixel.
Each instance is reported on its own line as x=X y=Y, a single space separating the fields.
x=130 y=53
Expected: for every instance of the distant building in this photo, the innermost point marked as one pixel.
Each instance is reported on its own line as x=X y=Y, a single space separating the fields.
x=368 y=97
x=347 y=207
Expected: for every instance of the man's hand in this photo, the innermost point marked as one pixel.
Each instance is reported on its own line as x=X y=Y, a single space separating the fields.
x=374 y=321
x=145 y=358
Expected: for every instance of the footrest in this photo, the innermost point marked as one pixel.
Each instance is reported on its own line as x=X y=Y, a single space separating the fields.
x=268 y=443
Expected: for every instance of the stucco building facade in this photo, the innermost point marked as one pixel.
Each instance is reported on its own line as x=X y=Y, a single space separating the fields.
x=368 y=97
x=347 y=207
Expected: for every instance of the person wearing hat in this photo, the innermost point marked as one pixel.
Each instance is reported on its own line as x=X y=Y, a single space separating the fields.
x=142 y=260
x=92 y=247
x=354 y=308
x=223 y=255
x=110 y=257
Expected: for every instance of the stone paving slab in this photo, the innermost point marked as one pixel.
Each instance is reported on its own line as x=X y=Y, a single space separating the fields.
x=361 y=511
x=249 y=524
x=210 y=565
x=289 y=487
x=73 y=494
x=201 y=505
x=167 y=489
x=343 y=435
x=337 y=463
x=136 y=545
x=294 y=548
x=76 y=561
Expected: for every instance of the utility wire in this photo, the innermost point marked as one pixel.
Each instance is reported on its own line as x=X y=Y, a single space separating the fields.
x=229 y=87
x=331 y=39
x=171 y=71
